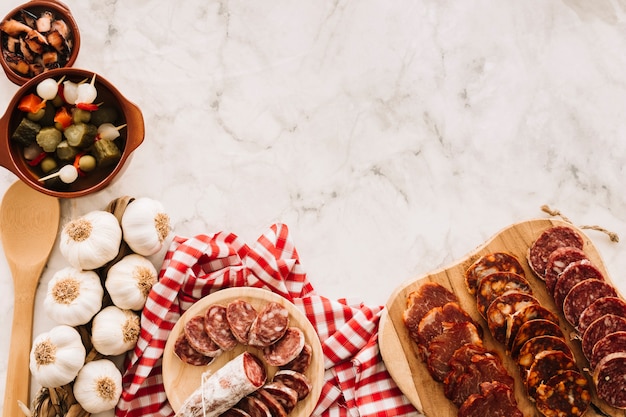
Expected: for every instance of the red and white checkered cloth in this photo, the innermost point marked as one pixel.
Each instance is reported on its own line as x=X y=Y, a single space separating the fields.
x=356 y=382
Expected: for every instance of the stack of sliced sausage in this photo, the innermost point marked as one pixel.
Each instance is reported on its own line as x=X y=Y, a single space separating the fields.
x=589 y=303
x=221 y=328
x=450 y=343
x=530 y=334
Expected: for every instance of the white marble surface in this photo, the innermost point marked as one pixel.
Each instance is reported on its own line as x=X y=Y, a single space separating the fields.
x=391 y=137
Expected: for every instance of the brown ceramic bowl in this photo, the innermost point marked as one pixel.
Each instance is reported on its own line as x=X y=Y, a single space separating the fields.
x=11 y=153
x=15 y=70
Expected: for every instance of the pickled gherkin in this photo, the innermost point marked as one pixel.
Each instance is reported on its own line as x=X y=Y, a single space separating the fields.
x=49 y=138
x=26 y=132
x=106 y=152
x=65 y=152
x=81 y=135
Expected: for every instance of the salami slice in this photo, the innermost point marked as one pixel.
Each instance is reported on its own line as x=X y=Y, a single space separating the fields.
x=287 y=397
x=607 y=324
x=272 y=404
x=240 y=315
x=558 y=261
x=199 y=339
x=461 y=359
x=530 y=312
x=226 y=387
x=565 y=394
x=494 y=285
x=572 y=275
x=610 y=379
x=431 y=325
x=539 y=344
x=488 y=264
x=495 y=400
x=611 y=343
x=286 y=349
x=550 y=240
x=420 y=301
x=294 y=380
x=188 y=354
x=270 y=325
x=546 y=365
x=254 y=407
x=302 y=362
x=504 y=306
x=600 y=307
x=234 y=412
x=582 y=295
x=216 y=326
x=442 y=347
x=532 y=329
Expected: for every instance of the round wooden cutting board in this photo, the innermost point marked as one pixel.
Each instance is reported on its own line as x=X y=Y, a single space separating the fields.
x=181 y=380
x=400 y=354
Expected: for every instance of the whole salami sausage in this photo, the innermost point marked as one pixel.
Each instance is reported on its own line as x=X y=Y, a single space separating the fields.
x=611 y=343
x=270 y=325
x=582 y=295
x=240 y=315
x=199 y=339
x=218 y=329
x=558 y=261
x=610 y=379
x=494 y=285
x=226 y=387
x=495 y=400
x=607 y=324
x=420 y=301
x=504 y=306
x=565 y=394
x=550 y=240
x=572 y=275
x=488 y=264
x=600 y=307
x=286 y=349
x=546 y=365
x=188 y=354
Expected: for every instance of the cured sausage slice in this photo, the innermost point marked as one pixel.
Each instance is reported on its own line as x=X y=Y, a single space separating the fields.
x=302 y=362
x=240 y=315
x=216 y=326
x=558 y=261
x=550 y=240
x=420 y=301
x=294 y=380
x=254 y=407
x=572 y=275
x=431 y=325
x=234 y=412
x=611 y=343
x=504 y=306
x=494 y=285
x=272 y=404
x=547 y=364
x=488 y=264
x=532 y=329
x=286 y=349
x=495 y=400
x=287 y=397
x=565 y=394
x=607 y=324
x=610 y=379
x=530 y=312
x=270 y=325
x=600 y=307
x=582 y=295
x=199 y=339
x=226 y=387
x=461 y=359
x=442 y=347
x=188 y=354
x=539 y=344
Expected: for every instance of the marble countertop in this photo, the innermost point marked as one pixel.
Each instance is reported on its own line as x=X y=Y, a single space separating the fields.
x=392 y=138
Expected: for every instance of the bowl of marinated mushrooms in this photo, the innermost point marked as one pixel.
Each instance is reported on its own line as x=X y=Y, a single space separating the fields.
x=68 y=132
x=36 y=37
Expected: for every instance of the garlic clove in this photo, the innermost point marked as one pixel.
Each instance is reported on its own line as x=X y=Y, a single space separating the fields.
x=145 y=225
x=130 y=280
x=98 y=386
x=73 y=297
x=115 y=331
x=56 y=356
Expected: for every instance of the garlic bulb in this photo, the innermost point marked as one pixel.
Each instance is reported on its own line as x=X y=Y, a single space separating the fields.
x=98 y=386
x=114 y=331
x=57 y=356
x=145 y=225
x=130 y=280
x=92 y=240
x=73 y=296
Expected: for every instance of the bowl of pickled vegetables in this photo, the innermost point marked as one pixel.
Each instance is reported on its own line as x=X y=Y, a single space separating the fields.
x=68 y=132
x=38 y=36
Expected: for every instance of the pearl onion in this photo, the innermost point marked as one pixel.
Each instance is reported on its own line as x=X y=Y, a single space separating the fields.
x=47 y=89
x=68 y=174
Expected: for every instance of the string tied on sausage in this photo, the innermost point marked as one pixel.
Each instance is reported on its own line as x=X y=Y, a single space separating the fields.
x=614 y=237
x=205 y=375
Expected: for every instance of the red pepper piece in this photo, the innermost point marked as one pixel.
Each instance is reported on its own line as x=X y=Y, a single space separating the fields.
x=35 y=161
x=87 y=106
x=31 y=103
x=63 y=117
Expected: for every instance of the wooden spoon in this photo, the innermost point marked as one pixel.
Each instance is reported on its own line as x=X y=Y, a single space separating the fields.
x=29 y=222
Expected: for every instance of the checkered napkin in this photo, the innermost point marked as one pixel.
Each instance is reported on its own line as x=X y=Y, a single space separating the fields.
x=356 y=382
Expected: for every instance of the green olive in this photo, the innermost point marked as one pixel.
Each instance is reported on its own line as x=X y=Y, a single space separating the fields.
x=48 y=164
x=35 y=117
x=57 y=101
x=87 y=163
x=80 y=116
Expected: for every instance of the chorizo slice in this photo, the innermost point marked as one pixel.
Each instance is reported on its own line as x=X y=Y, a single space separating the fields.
x=240 y=315
x=442 y=347
x=420 y=301
x=495 y=400
x=546 y=365
x=600 y=307
x=216 y=326
x=530 y=312
x=572 y=275
x=558 y=261
x=294 y=380
x=504 y=306
x=550 y=240
x=302 y=361
x=536 y=345
x=488 y=264
x=532 y=329
x=199 y=339
x=582 y=295
x=494 y=285
x=609 y=378
x=611 y=343
x=269 y=325
x=565 y=394
x=188 y=354
x=607 y=324
x=286 y=349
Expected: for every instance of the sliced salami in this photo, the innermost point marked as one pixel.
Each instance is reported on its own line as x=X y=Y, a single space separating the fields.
x=600 y=307
x=286 y=349
x=270 y=325
x=235 y=412
x=495 y=400
x=198 y=338
x=188 y=354
x=461 y=359
x=572 y=275
x=565 y=394
x=582 y=295
x=216 y=326
x=558 y=261
x=530 y=312
x=488 y=264
x=294 y=380
x=611 y=343
x=254 y=407
x=420 y=301
x=287 y=397
x=302 y=361
x=504 y=306
x=532 y=329
x=272 y=404
x=547 y=364
x=240 y=315
x=550 y=240
x=610 y=379
x=431 y=325
x=539 y=344
x=494 y=285
x=607 y=324
x=442 y=347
